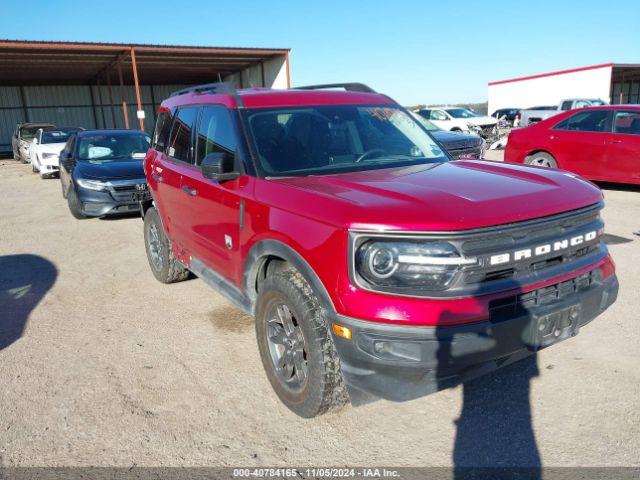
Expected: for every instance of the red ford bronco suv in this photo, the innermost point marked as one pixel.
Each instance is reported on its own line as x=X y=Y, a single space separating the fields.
x=370 y=260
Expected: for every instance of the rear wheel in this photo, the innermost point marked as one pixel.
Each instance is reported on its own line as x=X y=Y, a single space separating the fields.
x=296 y=347
x=542 y=159
x=75 y=206
x=164 y=265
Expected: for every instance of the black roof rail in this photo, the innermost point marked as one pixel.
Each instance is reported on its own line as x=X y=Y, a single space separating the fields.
x=218 y=87
x=350 y=87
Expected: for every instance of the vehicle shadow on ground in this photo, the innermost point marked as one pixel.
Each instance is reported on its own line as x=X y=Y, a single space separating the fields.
x=494 y=432
x=120 y=216
x=24 y=281
x=621 y=187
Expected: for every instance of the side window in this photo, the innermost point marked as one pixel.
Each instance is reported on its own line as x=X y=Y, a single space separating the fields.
x=161 y=130
x=68 y=147
x=566 y=105
x=627 y=122
x=425 y=113
x=437 y=115
x=589 y=121
x=582 y=104
x=215 y=132
x=179 y=146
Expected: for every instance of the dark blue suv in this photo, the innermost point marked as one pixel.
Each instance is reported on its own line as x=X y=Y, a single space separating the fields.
x=101 y=172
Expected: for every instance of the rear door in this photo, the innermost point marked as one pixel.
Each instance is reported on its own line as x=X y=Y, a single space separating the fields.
x=623 y=155
x=167 y=169
x=579 y=142
x=213 y=215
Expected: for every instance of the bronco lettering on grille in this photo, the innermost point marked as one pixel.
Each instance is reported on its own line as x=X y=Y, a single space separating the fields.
x=543 y=249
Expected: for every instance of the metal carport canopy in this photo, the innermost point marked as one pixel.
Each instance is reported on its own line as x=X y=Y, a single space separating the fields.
x=74 y=63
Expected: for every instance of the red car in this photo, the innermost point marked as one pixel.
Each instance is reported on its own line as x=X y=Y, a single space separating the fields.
x=370 y=260
x=599 y=143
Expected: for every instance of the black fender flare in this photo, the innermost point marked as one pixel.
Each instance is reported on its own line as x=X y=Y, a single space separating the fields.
x=266 y=248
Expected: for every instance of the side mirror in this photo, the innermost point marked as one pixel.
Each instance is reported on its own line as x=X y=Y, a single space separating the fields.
x=219 y=166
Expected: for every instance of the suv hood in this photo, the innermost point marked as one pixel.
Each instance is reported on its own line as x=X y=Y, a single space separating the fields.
x=109 y=170
x=51 y=147
x=482 y=121
x=456 y=140
x=456 y=195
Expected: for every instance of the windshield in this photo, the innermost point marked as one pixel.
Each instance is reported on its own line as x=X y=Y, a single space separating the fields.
x=27 y=133
x=425 y=123
x=56 y=136
x=339 y=138
x=460 y=113
x=117 y=146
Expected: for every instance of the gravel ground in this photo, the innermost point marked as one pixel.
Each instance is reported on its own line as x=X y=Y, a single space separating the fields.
x=102 y=365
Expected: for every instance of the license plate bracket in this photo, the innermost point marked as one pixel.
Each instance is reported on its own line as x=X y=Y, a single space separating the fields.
x=550 y=328
x=140 y=196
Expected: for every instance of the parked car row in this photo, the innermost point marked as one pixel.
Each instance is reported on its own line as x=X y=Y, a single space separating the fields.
x=370 y=261
x=100 y=170
x=599 y=143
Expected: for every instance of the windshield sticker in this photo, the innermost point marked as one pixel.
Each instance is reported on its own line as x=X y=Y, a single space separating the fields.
x=98 y=152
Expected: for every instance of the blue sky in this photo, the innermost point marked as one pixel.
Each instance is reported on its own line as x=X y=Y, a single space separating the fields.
x=417 y=51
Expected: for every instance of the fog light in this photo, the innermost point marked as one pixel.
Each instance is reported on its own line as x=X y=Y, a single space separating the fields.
x=341 y=331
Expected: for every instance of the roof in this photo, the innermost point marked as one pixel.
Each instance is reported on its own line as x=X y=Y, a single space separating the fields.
x=81 y=63
x=265 y=98
x=552 y=74
x=84 y=133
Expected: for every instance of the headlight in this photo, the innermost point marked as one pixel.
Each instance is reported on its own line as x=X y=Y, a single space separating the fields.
x=93 y=184
x=473 y=127
x=408 y=264
x=49 y=155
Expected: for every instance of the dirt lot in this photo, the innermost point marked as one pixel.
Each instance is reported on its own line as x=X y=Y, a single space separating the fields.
x=102 y=365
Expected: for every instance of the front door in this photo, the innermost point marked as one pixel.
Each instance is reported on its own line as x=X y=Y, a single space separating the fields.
x=213 y=216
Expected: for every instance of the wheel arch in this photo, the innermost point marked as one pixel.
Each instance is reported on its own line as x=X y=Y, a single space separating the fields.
x=263 y=254
x=541 y=150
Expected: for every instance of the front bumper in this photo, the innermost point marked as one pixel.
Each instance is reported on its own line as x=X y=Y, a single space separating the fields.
x=101 y=203
x=400 y=363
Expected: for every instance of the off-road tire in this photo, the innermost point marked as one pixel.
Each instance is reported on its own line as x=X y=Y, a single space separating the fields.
x=170 y=270
x=75 y=206
x=324 y=388
x=541 y=159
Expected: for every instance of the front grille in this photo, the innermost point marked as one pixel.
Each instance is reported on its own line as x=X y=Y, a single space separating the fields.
x=528 y=235
x=458 y=152
x=124 y=193
x=520 y=304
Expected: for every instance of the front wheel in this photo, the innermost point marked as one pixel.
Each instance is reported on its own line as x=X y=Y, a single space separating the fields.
x=542 y=159
x=296 y=347
x=164 y=265
x=75 y=206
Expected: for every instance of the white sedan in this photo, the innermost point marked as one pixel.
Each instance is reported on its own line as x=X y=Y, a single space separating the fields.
x=45 y=148
x=458 y=119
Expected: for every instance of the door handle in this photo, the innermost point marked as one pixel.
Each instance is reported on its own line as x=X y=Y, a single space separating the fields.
x=552 y=137
x=616 y=141
x=156 y=177
x=189 y=191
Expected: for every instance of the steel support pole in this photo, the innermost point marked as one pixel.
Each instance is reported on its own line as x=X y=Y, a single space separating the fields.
x=125 y=113
x=104 y=120
x=113 y=111
x=137 y=86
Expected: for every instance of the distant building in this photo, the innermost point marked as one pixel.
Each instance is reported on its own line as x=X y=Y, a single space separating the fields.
x=611 y=82
x=113 y=85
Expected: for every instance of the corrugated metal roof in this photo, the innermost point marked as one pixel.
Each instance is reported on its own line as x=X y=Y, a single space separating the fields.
x=78 y=63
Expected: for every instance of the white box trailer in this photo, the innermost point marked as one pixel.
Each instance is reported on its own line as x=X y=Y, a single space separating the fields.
x=611 y=82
